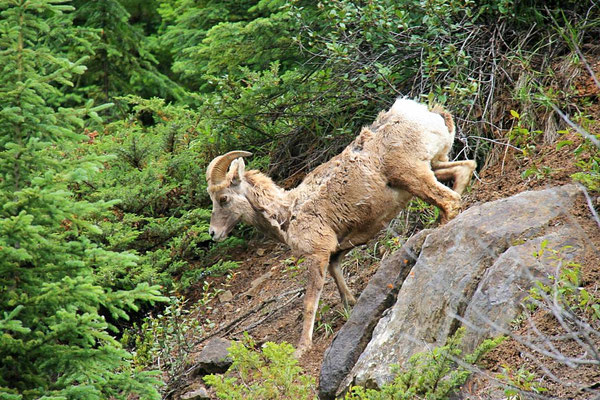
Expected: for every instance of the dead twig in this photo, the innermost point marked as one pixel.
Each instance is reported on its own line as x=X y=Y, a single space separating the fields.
x=266 y=317
x=229 y=327
x=573 y=125
x=590 y=205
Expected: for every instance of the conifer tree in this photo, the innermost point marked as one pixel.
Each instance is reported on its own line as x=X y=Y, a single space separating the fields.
x=121 y=63
x=55 y=342
x=214 y=37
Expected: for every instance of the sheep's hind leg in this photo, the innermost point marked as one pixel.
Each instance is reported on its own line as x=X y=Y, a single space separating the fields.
x=316 y=264
x=459 y=171
x=419 y=180
x=335 y=270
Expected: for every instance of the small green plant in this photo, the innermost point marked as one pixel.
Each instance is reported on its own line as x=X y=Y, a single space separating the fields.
x=426 y=214
x=520 y=319
x=344 y=313
x=537 y=172
x=322 y=324
x=165 y=341
x=432 y=375
x=391 y=243
x=566 y=288
x=588 y=160
x=519 y=382
x=521 y=136
x=293 y=265
x=194 y=275
x=271 y=373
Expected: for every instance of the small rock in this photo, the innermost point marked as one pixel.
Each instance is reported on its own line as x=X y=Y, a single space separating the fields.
x=260 y=252
x=225 y=296
x=200 y=393
x=214 y=357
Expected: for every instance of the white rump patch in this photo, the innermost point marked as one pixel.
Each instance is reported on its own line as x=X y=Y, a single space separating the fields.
x=411 y=110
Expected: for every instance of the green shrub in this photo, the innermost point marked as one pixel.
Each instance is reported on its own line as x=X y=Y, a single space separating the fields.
x=156 y=171
x=269 y=374
x=165 y=340
x=430 y=375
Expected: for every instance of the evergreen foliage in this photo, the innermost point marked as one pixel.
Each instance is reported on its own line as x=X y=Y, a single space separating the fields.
x=96 y=213
x=219 y=37
x=55 y=340
x=121 y=61
x=156 y=173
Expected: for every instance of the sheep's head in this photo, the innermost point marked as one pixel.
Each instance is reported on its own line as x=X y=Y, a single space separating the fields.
x=227 y=189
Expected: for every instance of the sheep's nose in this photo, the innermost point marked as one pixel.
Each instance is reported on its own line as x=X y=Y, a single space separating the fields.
x=211 y=232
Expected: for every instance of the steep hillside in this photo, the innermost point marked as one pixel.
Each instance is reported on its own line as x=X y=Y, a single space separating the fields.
x=263 y=297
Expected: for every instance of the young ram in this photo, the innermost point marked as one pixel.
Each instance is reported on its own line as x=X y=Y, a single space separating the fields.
x=346 y=201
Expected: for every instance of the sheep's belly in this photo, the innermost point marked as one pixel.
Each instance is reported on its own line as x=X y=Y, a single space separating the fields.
x=380 y=214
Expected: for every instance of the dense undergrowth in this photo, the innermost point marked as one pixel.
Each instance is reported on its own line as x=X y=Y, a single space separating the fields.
x=272 y=373
x=111 y=110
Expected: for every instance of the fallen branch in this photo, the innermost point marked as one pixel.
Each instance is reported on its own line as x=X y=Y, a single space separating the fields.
x=580 y=130
x=269 y=315
x=589 y=203
x=229 y=327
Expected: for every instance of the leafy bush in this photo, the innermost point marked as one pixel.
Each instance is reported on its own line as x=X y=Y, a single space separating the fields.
x=165 y=340
x=269 y=374
x=430 y=375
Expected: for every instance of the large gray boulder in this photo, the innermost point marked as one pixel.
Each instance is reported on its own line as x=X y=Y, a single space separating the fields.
x=377 y=297
x=473 y=271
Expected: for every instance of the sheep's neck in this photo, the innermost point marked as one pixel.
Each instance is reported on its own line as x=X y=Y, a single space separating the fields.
x=271 y=204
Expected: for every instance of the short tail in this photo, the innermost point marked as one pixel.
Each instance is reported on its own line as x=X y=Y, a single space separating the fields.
x=448 y=120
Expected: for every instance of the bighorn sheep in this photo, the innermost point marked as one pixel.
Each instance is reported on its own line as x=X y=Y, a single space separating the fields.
x=346 y=201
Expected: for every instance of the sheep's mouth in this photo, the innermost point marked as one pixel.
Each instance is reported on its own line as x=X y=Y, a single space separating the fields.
x=220 y=237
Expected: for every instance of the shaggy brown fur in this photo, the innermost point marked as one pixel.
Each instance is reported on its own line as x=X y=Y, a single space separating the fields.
x=346 y=201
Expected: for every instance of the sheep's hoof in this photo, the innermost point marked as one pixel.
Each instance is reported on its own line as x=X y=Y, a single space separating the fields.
x=349 y=302
x=448 y=215
x=301 y=350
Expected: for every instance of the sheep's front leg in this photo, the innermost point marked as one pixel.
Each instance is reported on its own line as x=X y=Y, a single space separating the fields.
x=419 y=180
x=459 y=171
x=317 y=266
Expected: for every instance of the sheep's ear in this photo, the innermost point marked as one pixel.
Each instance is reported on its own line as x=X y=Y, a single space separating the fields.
x=237 y=171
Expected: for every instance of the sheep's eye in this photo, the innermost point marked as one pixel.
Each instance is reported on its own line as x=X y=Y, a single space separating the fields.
x=223 y=200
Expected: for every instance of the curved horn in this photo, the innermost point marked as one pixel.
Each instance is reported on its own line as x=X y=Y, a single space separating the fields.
x=217 y=169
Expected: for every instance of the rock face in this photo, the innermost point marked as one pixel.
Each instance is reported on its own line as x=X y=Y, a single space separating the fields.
x=378 y=296
x=473 y=271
